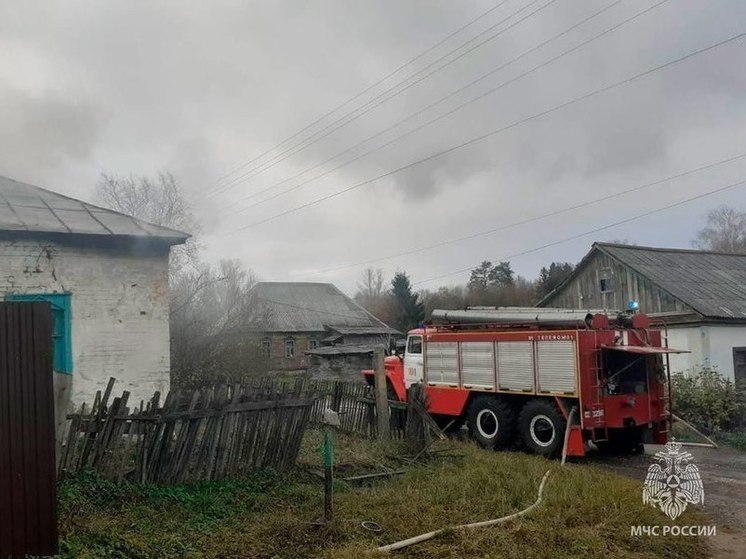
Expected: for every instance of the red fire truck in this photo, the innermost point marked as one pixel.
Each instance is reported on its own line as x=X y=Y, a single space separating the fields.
x=513 y=375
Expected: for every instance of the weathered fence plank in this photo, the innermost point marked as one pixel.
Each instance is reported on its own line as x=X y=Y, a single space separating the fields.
x=216 y=432
x=204 y=434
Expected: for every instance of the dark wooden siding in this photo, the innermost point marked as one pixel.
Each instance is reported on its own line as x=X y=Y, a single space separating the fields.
x=27 y=454
x=584 y=291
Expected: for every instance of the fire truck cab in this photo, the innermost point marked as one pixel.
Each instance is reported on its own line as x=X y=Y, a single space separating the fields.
x=513 y=375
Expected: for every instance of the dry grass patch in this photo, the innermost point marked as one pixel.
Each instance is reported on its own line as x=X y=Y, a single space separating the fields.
x=587 y=511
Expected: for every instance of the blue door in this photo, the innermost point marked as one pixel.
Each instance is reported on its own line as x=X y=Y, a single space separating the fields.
x=61 y=326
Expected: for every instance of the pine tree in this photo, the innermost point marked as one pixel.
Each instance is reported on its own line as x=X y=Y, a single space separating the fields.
x=409 y=310
x=551 y=277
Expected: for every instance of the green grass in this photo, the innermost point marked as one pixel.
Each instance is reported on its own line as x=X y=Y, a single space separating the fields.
x=734 y=439
x=587 y=511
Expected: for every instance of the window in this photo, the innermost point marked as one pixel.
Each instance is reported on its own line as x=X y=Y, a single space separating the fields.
x=313 y=343
x=606 y=280
x=414 y=344
x=61 y=326
x=290 y=347
x=739 y=365
x=266 y=347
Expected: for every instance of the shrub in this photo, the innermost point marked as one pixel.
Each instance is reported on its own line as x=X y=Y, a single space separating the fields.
x=708 y=400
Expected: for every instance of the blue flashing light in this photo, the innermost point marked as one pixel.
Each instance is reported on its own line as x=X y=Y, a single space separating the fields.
x=633 y=306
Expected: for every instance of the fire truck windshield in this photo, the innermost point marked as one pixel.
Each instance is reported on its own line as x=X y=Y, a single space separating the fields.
x=414 y=344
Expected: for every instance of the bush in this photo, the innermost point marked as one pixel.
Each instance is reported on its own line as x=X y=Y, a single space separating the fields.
x=708 y=400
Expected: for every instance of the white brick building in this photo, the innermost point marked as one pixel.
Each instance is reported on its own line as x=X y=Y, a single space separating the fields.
x=106 y=277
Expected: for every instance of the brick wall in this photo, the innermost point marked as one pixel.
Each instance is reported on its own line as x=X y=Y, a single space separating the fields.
x=119 y=307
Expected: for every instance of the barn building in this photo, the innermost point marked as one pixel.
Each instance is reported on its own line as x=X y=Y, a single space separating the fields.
x=302 y=319
x=105 y=275
x=700 y=295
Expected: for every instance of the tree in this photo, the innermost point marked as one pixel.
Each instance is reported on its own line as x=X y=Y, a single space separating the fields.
x=501 y=275
x=159 y=201
x=486 y=275
x=371 y=284
x=725 y=231
x=371 y=294
x=551 y=277
x=480 y=276
x=408 y=310
x=451 y=297
x=215 y=319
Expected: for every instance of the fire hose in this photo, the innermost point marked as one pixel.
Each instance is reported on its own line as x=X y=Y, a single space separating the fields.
x=485 y=523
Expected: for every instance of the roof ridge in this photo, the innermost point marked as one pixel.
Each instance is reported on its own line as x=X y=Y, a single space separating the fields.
x=667 y=249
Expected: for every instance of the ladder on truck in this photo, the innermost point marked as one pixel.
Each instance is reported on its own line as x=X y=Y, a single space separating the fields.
x=597 y=408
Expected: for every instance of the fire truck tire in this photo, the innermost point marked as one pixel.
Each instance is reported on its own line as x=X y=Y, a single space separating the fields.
x=541 y=427
x=491 y=422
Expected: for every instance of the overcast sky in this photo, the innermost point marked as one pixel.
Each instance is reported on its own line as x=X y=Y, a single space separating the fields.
x=200 y=88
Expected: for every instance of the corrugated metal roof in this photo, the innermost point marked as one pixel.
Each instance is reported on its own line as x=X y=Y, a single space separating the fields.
x=712 y=283
x=312 y=307
x=28 y=208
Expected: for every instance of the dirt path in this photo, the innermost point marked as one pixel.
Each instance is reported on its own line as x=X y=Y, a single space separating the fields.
x=723 y=474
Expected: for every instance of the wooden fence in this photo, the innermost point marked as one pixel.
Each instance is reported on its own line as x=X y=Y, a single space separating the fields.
x=214 y=433
x=355 y=404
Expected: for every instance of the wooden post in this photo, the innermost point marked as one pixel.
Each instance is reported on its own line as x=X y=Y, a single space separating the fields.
x=382 y=401
x=328 y=476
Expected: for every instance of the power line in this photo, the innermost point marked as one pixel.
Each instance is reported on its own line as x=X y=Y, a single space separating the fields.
x=450 y=112
x=514 y=224
x=495 y=132
x=596 y=230
x=367 y=89
x=330 y=129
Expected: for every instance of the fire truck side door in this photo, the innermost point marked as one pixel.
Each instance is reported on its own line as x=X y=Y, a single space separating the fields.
x=413 y=361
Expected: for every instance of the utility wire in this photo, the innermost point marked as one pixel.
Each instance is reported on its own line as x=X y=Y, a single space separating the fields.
x=528 y=220
x=376 y=101
x=442 y=99
x=495 y=132
x=596 y=230
x=366 y=90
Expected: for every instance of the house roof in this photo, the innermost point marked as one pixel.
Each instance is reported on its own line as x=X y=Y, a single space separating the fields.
x=347 y=349
x=314 y=307
x=711 y=283
x=25 y=208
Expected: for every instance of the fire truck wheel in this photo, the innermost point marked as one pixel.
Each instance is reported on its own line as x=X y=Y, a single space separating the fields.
x=491 y=422
x=542 y=427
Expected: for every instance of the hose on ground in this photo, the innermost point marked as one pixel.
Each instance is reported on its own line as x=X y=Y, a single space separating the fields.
x=485 y=523
x=431 y=535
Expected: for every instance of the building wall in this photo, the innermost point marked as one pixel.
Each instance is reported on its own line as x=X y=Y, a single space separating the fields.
x=301 y=361
x=119 y=307
x=277 y=359
x=339 y=367
x=711 y=346
x=584 y=291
